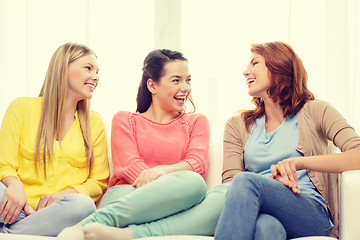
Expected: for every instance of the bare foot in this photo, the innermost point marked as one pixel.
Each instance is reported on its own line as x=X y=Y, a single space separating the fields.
x=97 y=231
x=72 y=233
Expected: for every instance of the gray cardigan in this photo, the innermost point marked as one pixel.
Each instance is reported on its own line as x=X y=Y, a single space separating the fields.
x=318 y=123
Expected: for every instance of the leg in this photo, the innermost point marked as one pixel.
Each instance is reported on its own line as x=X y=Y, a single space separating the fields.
x=199 y=220
x=115 y=193
x=269 y=228
x=50 y=221
x=251 y=194
x=169 y=194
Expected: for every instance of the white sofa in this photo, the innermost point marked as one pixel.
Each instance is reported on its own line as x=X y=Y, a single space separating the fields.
x=349 y=204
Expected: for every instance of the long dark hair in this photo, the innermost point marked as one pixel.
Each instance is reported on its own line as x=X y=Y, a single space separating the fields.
x=288 y=79
x=153 y=68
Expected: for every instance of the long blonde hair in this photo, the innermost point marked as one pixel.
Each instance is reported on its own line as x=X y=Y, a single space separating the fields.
x=54 y=91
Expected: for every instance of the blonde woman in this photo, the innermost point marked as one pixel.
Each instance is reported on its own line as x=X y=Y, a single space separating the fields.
x=53 y=150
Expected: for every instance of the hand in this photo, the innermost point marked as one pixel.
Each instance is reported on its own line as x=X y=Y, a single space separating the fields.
x=149 y=175
x=285 y=172
x=46 y=200
x=14 y=201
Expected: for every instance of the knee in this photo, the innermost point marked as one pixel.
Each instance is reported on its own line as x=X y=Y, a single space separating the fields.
x=268 y=227
x=246 y=181
x=78 y=206
x=184 y=185
x=244 y=178
x=115 y=193
x=191 y=183
x=242 y=182
x=244 y=186
x=193 y=179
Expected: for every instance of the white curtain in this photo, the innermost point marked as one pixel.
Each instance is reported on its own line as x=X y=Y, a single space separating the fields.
x=215 y=35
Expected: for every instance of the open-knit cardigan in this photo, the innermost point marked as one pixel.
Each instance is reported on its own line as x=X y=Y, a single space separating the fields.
x=318 y=122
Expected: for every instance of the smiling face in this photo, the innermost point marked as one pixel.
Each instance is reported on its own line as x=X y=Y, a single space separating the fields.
x=257 y=77
x=82 y=77
x=172 y=90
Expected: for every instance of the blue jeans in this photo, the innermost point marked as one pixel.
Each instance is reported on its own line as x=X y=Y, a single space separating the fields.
x=257 y=207
x=51 y=220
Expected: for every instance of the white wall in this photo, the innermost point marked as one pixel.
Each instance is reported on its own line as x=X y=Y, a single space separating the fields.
x=354 y=62
x=323 y=33
x=120 y=32
x=215 y=35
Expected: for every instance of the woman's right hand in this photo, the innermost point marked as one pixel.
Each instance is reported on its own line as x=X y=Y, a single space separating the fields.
x=149 y=175
x=285 y=172
x=14 y=200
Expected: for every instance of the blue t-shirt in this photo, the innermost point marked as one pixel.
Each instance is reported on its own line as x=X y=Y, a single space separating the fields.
x=263 y=149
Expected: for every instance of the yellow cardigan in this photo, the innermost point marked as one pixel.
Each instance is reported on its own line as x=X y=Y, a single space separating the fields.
x=67 y=169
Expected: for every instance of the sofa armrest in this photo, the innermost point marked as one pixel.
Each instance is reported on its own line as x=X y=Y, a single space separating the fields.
x=349 y=204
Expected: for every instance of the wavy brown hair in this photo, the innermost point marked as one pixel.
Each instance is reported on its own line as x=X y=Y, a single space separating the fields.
x=288 y=79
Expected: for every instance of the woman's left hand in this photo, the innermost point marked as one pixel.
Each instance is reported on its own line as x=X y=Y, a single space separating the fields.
x=285 y=172
x=46 y=200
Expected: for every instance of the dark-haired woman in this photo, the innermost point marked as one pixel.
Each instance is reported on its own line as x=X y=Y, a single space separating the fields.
x=159 y=154
x=277 y=154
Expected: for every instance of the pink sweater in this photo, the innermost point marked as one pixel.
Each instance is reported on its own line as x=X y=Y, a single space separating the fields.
x=137 y=143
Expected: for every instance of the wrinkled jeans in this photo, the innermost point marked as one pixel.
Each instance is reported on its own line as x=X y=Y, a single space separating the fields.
x=257 y=207
x=51 y=220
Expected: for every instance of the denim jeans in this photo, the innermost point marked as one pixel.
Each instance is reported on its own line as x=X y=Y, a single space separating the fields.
x=257 y=207
x=51 y=220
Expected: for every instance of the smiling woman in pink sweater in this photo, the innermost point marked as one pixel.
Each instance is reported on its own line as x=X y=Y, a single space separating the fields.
x=144 y=149
x=159 y=155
